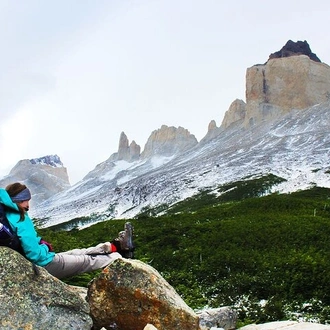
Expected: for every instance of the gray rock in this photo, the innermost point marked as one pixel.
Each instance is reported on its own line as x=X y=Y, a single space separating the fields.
x=33 y=299
x=224 y=317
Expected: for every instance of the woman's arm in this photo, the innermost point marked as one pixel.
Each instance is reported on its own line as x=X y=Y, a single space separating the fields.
x=30 y=241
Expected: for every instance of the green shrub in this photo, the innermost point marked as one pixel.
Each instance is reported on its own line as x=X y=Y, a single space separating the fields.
x=239 y=252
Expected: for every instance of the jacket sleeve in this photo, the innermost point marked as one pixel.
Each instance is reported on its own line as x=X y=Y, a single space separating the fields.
x=30 y=241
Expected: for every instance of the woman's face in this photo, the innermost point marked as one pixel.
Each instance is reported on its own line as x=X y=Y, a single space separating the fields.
x=25 y=205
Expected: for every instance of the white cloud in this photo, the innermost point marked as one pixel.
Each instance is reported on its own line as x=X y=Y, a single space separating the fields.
x=15 y=138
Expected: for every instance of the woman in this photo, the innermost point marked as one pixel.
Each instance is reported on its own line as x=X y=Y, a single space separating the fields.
x=16 y=199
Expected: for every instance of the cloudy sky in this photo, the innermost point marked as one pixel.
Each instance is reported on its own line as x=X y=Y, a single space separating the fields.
x=76 y=73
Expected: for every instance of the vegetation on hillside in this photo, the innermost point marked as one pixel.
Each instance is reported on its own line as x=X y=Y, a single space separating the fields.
x=267 y=256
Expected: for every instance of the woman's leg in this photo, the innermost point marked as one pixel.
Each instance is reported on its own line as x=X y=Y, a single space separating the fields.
x=77 y=261
x=102 y=248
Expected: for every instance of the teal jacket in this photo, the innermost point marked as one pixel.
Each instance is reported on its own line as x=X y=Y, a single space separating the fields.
x=34 y=251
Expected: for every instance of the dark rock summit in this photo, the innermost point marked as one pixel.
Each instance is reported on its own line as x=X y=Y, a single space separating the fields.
x=292 y=48
x=51 y=160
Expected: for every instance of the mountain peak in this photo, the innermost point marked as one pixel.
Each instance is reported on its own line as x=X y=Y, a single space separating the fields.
x=292 y=78
x=45 y=176
x=168 y=140
x=292 y=48
x=50 y=160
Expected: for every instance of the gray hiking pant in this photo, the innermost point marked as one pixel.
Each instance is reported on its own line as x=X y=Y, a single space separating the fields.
x=78 y=261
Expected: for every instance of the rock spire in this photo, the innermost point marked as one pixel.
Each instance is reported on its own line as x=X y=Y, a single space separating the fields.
x=127 y=152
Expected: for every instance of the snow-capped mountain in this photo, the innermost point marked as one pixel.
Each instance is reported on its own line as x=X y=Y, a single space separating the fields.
x=45 y=176
x=281 y=129
x=295 y=147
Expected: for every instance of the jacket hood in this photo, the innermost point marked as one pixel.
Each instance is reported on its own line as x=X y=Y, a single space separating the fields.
x=6 y=200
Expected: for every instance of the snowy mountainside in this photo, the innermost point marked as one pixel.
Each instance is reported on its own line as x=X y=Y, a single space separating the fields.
x=45 y=176
x=295 y=147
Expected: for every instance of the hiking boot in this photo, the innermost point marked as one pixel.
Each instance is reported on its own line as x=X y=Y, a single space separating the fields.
x=124 y=243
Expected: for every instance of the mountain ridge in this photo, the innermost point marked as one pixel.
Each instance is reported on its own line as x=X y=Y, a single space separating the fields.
x=270 y=133
x=294 y=147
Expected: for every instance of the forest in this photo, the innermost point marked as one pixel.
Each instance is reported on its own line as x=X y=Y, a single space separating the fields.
x=265 y=254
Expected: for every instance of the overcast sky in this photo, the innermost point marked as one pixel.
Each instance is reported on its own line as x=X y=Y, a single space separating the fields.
x=76 y=73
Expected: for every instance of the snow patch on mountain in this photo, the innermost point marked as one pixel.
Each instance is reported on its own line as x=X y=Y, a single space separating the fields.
x=51 y=160
x=295 y=147
x=119 y=166
x=157 y=161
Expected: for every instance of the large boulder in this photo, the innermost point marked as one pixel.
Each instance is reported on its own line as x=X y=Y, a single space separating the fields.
x=130 y=294
x=33 y=299
x=223 y=317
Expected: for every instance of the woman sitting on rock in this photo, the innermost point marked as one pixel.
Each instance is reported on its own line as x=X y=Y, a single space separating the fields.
x=15 y=199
